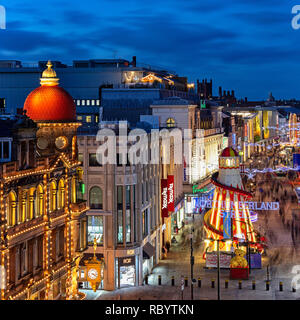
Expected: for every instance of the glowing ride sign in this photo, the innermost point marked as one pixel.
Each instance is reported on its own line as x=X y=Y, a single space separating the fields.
x=209 y=203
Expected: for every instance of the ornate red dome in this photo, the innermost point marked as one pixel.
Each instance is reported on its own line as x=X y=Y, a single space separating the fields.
x=50 y=102
x=229 y=152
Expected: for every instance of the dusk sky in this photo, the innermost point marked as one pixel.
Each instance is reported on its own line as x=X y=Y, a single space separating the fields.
x=245 y=45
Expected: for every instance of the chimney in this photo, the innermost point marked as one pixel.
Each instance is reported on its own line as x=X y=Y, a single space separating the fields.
x=133 y=63
x=232 y=93
x=246 y=99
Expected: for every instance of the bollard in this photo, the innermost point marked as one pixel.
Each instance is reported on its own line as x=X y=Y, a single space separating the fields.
x=173 y=281
x=267 y=285
x=226 y=284
x=280 y=286
x=199 y=282
x=253 y=285
x=213 y=283
x=159 y=280
x=186 y=281
x=146 y=279
x=240 y=284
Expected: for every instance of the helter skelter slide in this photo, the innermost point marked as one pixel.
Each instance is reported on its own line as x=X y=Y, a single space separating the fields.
x=229 y=219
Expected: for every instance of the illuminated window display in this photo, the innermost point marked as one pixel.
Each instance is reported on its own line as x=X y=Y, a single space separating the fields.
x=95 y=229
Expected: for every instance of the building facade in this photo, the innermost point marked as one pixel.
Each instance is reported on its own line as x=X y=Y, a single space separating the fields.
x=124 y=216
x=42 y=211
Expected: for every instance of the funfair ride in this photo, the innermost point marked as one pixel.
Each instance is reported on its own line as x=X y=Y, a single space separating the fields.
x=229 y=219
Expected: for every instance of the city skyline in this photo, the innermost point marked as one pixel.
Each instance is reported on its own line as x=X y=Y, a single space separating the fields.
x=251 y=48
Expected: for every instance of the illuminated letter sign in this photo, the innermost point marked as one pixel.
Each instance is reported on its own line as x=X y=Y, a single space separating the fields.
x=164 y=198
x=171 y=194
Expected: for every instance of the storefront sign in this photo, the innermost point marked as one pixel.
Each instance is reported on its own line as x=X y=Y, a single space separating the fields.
x=212 y=260
x=197 y=189
x=164 y=198
x=127 y=261
x=171 y=207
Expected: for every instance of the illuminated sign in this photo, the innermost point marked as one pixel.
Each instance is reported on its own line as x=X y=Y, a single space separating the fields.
x=164 y=198
x=171 y=206
x=209 y=203
x=196 y=189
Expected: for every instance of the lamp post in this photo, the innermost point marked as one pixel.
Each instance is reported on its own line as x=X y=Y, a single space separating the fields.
x=218 y=264
x=192 y=261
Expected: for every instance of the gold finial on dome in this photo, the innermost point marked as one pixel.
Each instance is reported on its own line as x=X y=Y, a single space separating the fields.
x=49 y=77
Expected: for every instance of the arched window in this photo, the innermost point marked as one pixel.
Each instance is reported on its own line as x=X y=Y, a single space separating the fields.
x=61 y=194
x=96 y=199
x=39 y=201
x=11 y=209
x=23 y=205
x=170 y=123
x=30 y=204
x=52 y=196
x=74 y=190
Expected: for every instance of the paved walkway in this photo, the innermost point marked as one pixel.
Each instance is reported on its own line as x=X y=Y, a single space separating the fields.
x=177 y=264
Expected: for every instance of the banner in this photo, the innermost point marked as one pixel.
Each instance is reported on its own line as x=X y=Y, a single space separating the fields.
x=164 y=198
x=171 y=194
x=212 y=260
x=227 y=225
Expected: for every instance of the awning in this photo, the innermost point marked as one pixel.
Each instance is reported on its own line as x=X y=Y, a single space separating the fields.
x=148 y=251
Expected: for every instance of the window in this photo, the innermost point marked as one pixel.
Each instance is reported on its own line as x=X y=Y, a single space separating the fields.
x=80 y=157
x=5 y=150
x=93 y=162
x=52 y=197
x=83 y=102
x=87 y=102
x=170 y=123
x=120 y=213
x=11 y=209
x=39 y=201
x=96 y=200
x=88 y=119
x=93 y=102
x=61 y=194
x=95 y=229
x=79 y=118
x=145 y=223
x=128 y=214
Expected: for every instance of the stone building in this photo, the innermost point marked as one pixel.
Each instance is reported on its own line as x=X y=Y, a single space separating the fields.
x=42 y=212
x=124 y=216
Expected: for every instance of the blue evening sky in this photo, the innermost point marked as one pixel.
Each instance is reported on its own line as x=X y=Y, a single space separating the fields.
x=245 y=45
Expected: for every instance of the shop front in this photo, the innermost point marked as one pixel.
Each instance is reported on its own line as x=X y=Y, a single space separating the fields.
x=126 y=271
x=177 y=218
x=148 y=258
x=193 y=203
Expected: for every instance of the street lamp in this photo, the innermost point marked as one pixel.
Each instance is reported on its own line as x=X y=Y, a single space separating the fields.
x=192 y=260
x=218 y=264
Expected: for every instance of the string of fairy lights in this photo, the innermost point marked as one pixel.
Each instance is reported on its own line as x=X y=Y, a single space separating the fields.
x=48 y=221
